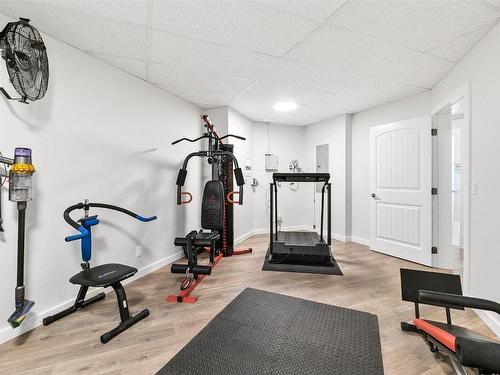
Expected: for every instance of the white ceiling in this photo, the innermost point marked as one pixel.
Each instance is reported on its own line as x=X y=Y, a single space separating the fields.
x=331 y=57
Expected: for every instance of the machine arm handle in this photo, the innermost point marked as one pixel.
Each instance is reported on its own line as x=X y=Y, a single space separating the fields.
x=123 y=210
x=83 y=233
x=190 y=197
x=457 y=300
x=189 y=139
x=238 y=175
x=234 y=136
x=68 y=219
x=230 y=197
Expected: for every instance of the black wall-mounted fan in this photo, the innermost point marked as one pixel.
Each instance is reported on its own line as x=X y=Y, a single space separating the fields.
x=25 y=55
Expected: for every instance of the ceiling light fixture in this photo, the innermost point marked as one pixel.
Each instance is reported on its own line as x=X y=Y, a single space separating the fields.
x=285 y=106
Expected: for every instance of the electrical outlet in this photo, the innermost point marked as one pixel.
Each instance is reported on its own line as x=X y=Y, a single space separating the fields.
x=138 y=251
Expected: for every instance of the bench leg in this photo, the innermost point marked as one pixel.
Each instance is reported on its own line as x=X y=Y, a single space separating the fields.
x=127 y=321
x=80 y=303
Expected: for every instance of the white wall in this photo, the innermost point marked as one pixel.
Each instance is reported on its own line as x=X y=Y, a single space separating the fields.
x=336 y=133
x=480 y=68
x=99 y=134
x=288 y=143
x=243 y=215
x=411 y=107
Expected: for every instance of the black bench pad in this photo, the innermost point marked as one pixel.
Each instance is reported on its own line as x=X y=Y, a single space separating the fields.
x=103 y=275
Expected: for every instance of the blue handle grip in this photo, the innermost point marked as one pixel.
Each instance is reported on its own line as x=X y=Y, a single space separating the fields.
x=83 y=233
x=145 y=219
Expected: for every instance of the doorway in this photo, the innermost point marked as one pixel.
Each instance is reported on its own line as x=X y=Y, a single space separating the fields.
x=451 y=166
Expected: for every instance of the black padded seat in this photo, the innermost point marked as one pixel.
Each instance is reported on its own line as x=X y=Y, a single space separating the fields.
x=201 y=239
x=103 y=275
x=458 y=331
x=472 y=348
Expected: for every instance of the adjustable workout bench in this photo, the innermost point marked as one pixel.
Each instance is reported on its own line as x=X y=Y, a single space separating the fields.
x=465 y=348
x=104 y=275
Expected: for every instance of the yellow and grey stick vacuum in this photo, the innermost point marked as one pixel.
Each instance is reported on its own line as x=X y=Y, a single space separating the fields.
x=20 y=191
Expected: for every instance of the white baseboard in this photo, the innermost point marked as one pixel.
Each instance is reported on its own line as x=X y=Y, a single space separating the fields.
x=246 y=236
x=491 y=319
x=35 y=320
x=340 y=237
x=362 y=241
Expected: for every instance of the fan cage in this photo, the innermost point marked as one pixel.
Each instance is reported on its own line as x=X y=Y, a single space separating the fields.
x=26 y=59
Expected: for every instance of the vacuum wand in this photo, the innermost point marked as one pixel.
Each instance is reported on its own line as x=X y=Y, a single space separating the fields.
x=21 y=191
x=21 y=219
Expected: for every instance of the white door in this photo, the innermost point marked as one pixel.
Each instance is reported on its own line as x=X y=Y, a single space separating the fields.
x=400 y=189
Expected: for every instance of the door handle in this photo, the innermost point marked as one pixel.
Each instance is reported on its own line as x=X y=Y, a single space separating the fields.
x=374 y=196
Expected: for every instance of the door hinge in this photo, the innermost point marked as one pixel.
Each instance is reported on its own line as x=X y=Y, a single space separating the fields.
x=434 y=250
x=434 y=191
x=434 y=132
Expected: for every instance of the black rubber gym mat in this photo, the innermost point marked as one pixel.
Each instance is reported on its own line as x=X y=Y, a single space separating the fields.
x=263 y=333
x=289 y=266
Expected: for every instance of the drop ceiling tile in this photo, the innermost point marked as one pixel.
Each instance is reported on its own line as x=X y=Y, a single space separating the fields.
x=88 y=33
x=456 y=50
x=343 y=50
x=309 y=76
x=132 y=66
x=208 y=98
x=494 y=5
x=241 y=24
x=346 y=51
x=420 y=25
x=264 y=96
x=352 y=104
x=421 y=70
x=133 y=11
x=172 y=49
x=380 y=90
x=327 y=107
x=179 y=76
x=298 y=118
x=317 y=10
x=258 y=101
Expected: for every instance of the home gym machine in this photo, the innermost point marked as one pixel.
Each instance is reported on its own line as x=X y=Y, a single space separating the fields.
x=216 y=213
x=300 y=247
x=20 y=191
x=103 y=276
x=465 y=348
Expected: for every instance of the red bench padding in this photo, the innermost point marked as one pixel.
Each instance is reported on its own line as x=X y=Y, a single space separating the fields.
x=445 y=338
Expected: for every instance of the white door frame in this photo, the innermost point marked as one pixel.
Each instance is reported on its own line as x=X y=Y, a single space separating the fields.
x=463 y=92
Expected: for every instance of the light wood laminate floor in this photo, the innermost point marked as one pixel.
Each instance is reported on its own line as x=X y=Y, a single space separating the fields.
x=370 y=283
